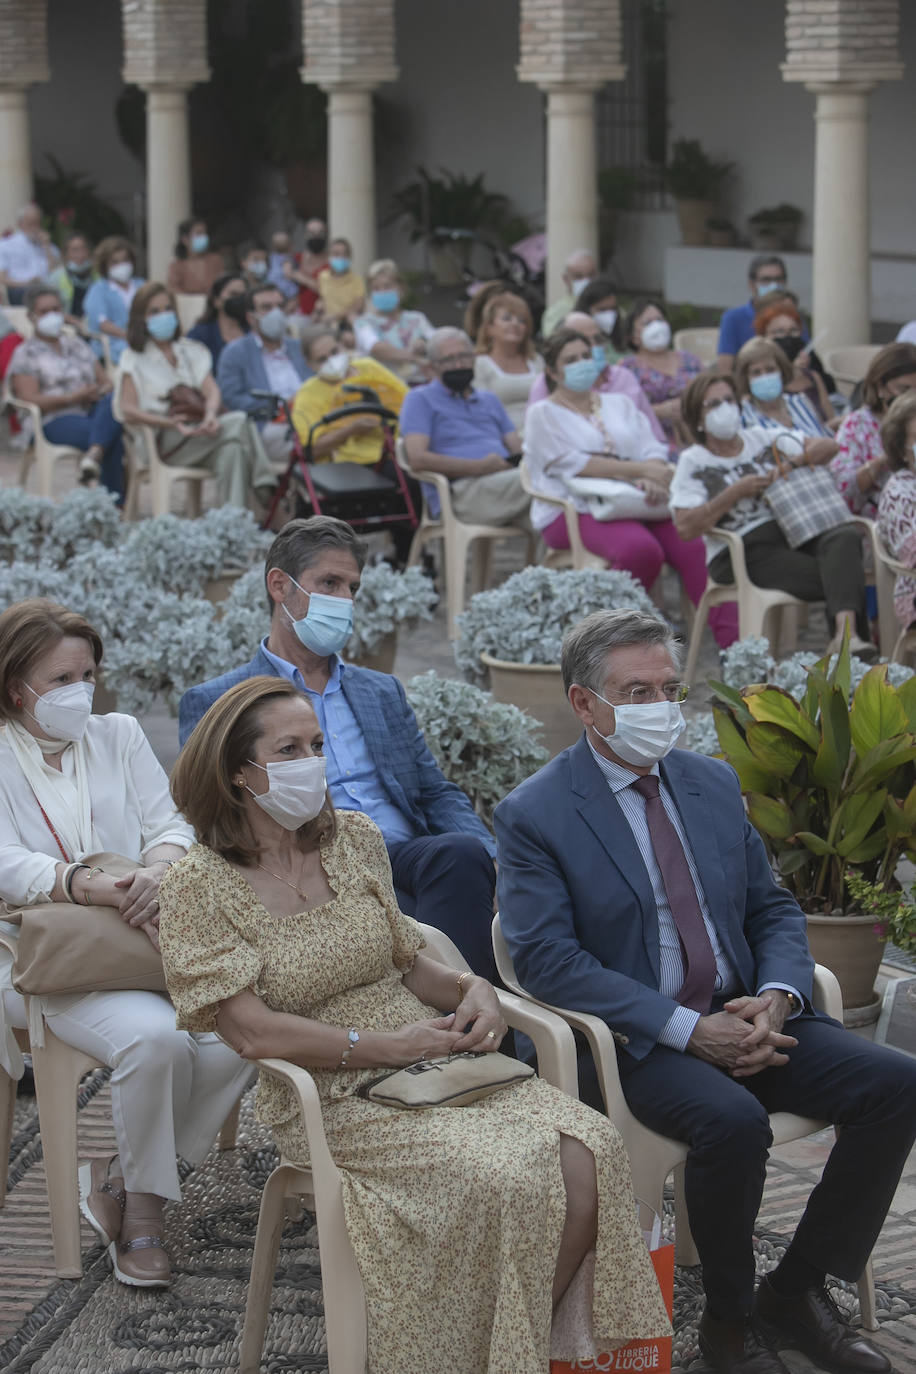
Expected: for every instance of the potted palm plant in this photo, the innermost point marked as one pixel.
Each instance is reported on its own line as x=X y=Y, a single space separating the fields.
x=432 y=206
x=776 y=229
x=831 y=787
x=696 y=183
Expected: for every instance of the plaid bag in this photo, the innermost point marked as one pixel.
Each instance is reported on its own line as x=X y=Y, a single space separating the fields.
x=804 y=501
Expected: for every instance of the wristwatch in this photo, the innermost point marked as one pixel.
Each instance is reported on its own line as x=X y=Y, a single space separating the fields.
x=352 y=1042
x=794 y=1004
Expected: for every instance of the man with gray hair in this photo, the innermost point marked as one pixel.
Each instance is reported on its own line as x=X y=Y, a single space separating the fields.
x=26 y=256
x=633 y=886
x=578 y=270
x=450 y=427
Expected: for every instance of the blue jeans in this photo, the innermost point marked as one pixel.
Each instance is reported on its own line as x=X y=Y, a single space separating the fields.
x=97 y=426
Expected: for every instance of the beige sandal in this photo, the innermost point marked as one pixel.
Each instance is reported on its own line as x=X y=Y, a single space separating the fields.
x=101 y=1201
x=141 y=1262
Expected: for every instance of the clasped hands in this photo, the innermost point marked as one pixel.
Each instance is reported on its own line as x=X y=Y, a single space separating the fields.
x=745 y=1037
x=208 y=425
x=465 y=1029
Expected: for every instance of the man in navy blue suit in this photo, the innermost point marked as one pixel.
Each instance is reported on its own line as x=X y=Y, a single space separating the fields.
x=377 y=760
x=632 y=886
x=266 y=359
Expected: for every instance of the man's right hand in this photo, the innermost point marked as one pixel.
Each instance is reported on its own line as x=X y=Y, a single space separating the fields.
x=494 y=462
x=363 y=424
x=722 y=1039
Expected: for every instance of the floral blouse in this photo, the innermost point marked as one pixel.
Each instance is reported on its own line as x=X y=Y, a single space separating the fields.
x=660 y=386
x=897 y=527
x=859 y=438
x=57 y=370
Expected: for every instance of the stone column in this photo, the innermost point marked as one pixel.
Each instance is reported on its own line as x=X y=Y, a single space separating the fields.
x=841 y=49
x=349 y=49
x=165 y=52
x=23 y=63
x=570 y=48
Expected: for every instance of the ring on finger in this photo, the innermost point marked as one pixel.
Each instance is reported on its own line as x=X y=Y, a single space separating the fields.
x=491 y=1035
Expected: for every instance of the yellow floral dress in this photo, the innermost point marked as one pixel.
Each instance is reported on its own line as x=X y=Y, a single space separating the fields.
x=455 y=1213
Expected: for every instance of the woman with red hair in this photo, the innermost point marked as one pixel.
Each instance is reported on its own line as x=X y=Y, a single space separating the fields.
x=780 y=321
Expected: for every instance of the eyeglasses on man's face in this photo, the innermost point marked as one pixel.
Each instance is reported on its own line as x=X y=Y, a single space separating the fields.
x=645 y=695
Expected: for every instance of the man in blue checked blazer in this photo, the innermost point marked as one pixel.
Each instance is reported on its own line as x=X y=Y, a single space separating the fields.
x=377 y=760
x=632 y=886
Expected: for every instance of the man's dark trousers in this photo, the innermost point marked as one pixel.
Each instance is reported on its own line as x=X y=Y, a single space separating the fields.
x=448 y=881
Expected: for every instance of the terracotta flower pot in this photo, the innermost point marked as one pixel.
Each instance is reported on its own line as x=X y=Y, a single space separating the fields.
x=850 y=948
x=692 y=216
x=536 y=688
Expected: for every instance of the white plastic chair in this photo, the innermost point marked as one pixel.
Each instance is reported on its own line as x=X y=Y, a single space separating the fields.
x=577 y=555
x=849 y=364
x=191 y=305
x=757 y=606
x=41 y=451
x=896 y=643
x=457 y=538
x=145 y=465
x=18 y=316
x=703 y=342
x=652 y=1156
x=319 y=1186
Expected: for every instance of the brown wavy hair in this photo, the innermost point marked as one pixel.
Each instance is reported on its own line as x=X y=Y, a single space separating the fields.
x=137 y=335
x=28 y=630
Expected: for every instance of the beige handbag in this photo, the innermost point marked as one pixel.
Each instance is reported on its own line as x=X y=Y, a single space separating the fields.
x=65 y=947
x=453 y=1080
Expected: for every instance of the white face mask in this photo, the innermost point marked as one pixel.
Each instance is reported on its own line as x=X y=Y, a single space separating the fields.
x=644 y=734
x=334 y=369
x=296 y=790
x=723 y=421
x=656 y=336
x=64 y=712
x=50 y=324
x=121 y=272
x=605 y=320
x=579 y=285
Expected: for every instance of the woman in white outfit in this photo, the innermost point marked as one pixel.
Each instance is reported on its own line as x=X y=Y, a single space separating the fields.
x=73 y=784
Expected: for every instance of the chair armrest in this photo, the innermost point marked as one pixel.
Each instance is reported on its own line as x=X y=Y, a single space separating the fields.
x=529 y=487
x=303 y=1085
x=736 y=549
x=9 y=944
x=28 y=406
x=552 y=1038
x=827 y=995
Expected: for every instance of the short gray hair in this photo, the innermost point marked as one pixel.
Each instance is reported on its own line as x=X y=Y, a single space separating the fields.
x=447 y=334
x=587 y=645
x=34 y=293
x=309 y=337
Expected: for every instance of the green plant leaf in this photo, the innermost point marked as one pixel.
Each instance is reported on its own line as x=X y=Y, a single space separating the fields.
x=870 y=848
x=895 y=818
x=791 y=860
x=775 y=748
x=816 y=843
x=776 y=707
x=856 y=816
x=830 y=765
x=752 y=776
x=841 y=675
x=906 y=695
x=909 y=806
x=876 y=713
x=770 y=815
x=880 y=762
x=733 y=699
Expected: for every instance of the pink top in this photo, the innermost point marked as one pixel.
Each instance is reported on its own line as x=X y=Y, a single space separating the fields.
x=859 y=438
x=897 y=527
x=663 y=386
x=614 y=381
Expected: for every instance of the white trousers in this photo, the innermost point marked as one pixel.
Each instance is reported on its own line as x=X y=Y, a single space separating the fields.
x=170 y=1090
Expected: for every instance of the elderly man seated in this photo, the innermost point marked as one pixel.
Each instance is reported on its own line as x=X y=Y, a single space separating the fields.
x=27 y=256
x=632 y=885
x=766 y=276
x=452 y=428
x=578 y=271
x=266 y=359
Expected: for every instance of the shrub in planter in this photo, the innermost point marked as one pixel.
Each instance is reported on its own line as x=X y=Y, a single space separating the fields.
x=36 y=530
x=483 y=746
x=386 y=600
x=525 y=618
x=182 y=555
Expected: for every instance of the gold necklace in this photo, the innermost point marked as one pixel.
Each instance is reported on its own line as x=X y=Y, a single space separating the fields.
x=298 y=890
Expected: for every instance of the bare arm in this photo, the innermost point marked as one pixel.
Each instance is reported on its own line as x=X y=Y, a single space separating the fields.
x=26 y=388
x=332 y=439
x=693 y=521
x=115 y=330
x=820 y=451
x=133 y=415
x=624 y=470
x=421 y=459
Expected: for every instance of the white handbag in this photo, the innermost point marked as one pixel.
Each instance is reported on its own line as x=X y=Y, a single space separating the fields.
x=608 y=499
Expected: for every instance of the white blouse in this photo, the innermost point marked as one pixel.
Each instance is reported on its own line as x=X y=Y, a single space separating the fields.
x=154 y=376
x=132 y=810
x=559 y=443
x=512 y=388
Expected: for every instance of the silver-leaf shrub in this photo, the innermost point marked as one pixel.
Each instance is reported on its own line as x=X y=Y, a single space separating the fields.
x=387 y=599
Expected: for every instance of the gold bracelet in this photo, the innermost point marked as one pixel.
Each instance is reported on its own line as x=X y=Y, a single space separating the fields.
x=89 y=876
x=460 y=977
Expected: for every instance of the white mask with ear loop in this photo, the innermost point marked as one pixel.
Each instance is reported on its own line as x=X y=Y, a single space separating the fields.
x=296 y=790
x=644 y=734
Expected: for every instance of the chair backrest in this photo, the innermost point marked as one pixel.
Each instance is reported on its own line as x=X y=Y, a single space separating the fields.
x=191 y=305
x=426 y=480
x=703 y=342
x=849 y=364
x=442 y=949
x=578 y=553
x=18 y=317
x=886 y=570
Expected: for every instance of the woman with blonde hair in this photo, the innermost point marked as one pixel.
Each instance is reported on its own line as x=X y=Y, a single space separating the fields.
x=167 y=382
x=280 y=930
x=73 y=784
x=506 y=362
x=386 y=331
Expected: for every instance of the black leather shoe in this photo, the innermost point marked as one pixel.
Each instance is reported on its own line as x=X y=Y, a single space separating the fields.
x=814 y=1324
x=734 y=1348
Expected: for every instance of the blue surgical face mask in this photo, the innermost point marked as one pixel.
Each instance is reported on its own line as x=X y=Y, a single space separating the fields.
x=385 y=301
x=582 y=374
x=327 y=625
x=78 y=269
x=200 y=243
x=257 y=268
x=163 y=326
x=339 y=264
x=273 y=324
x=768 y=387
x=765 y=287
x=599 y=355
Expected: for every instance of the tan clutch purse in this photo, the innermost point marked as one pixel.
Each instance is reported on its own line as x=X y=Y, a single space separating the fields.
x=453 y=1080
x=69 y=948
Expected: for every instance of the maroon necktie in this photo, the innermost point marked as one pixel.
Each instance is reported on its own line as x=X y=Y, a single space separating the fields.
x=696 y=947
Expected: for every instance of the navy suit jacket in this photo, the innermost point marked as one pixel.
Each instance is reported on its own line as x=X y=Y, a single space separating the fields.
x=406 y=769
x=241 y=371
x=576 y=903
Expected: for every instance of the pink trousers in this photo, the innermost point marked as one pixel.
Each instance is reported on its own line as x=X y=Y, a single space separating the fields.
x=641 y=549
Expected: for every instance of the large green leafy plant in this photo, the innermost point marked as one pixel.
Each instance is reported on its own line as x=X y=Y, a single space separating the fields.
x=830 y=786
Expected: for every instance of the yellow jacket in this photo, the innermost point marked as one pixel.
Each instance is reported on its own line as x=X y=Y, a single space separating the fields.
x=316 y=397
x=340 y=292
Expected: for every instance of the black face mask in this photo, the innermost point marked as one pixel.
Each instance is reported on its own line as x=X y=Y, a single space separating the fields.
x=458 y=379
x=316 y=244
x=791 y=345
x=236 y=307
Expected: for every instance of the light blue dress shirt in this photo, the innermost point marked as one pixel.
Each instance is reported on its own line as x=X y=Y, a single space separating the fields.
x=353 y=779
x=679 y=1028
